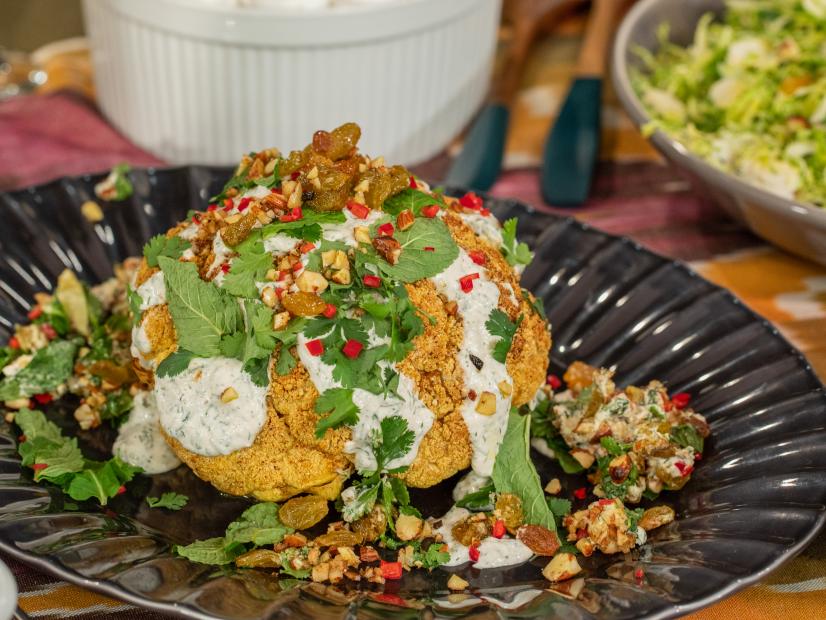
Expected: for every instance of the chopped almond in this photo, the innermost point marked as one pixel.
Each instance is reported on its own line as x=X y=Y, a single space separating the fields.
x=584 y=458
x=553 y=487
x=228 y=395
x=456 y=583
x=563 y=566
x=486 y=404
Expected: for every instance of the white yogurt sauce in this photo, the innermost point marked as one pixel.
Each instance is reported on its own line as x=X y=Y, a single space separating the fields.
x=474 y=307
x=153 y=291
x=141 y=347
x=190 y=232
x=541 y=445
x=493 y=552
x=470 y=483
x=486 y=226
x=192 y=412
x=140 y=442
x=373 y=408
x=221 y=251
x=280 y=244
x=343 y=232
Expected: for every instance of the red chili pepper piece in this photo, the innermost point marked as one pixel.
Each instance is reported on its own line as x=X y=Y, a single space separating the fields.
x=294 y=175
x=315 y=347
x=307 y=247
x=35 y=312
x=371 y=281
x=478 y=257
x=352 y=348
x=581 y=533
x=681 y=399
x=121 y=490
x=225 y=267
x=668 y=405
x=413 y=184
x=473 y=553
x=286 y=218
x=639 y=575
x=39 y=466
x=606 y=502
x=22 y=439
x=386 y=230
x=391 y=570
x=684 y=468
x=554 y=381
x=330 y=311
x=212 y=208
x=245 y=202
x=196 y=219
x=580 y=493
x=14 y=343
x=471 y=201
x=429 y=248
x=275 y=190
x=466 y=282
x=698 y=456
x=499 y=529
x=228 y=204
x=357 y=209
x=430 y=211
x=43 y=399
x=484 y=212
x=48 y=331
x=297 y=266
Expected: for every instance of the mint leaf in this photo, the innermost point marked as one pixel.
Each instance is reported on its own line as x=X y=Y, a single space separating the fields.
x=395 y=441
x=245 y=271
x=514 y=472
x=135 y=302
x=170 y=501
x=259 y=524
x=687 y=436
x=175 y=364
x=416 y=263
x=50 y=366
x=209 y=551
x=478 y=500
x=338 y=404
x=516 y=253
x=307 y=228
x=202 y=313
x=161 y=245
x=413 y=199
x=499 y=324
x=102 y=481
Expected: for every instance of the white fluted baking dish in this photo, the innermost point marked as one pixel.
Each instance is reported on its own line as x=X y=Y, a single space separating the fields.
x=205 y=82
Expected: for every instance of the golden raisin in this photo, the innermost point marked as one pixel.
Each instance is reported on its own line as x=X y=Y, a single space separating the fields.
x=509 y=508
x=303 y=512
x=259 y=558
x=338 y=538
x=372 y=525
x=579 y=375
x=237 y=232
x=471 y=530
x=304 y=304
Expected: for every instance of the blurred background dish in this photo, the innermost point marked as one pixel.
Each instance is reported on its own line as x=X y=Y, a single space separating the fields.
x=795 y=226
x=204 y=81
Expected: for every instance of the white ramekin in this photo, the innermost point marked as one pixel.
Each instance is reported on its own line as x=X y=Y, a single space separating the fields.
x=199 y=82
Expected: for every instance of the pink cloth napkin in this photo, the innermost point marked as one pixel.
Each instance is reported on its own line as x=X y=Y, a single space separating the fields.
x=43 y=137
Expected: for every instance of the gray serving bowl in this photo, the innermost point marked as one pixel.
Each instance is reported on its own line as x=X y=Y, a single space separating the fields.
x=793 y=226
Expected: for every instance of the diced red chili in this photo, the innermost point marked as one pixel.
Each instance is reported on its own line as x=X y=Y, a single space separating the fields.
x=473 y=553
x=307 y=247
x=683 y=468
x=386 y=230
x=581 y=533
x=196 y=219
x=681 y=399
x=554 y=381
x=14 y=343
x=245 y=202
x=121 y=490
x=295 y=175
x=429 y=248
x=48 y=331
x=466 y=282
x=430 y=211
x=498 y=528
x=315 y=347
x=606 y=502
x=297 y=266
x=276 y=190
x=639 y=575
x=391 y=570
x=212 y=208
x=478 y=257
x=43 y=399
x=371 y=281
x=580 y=492
x=225 y=267
x=357 y=209
x=35 y=312
x=330 y=311
x=471 y=201
x=413 y=184
x=352 y=348
x=39 y=466
x=698 y=456
x=484 y=212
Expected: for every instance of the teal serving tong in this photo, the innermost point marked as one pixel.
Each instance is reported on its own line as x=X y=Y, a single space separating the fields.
x=572 y=147
x=477 y=165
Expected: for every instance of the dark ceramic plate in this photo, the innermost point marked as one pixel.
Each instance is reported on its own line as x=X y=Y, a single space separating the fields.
x=756 y=499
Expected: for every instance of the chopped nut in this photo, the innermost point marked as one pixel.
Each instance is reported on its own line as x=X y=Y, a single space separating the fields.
x=228 y=395
x=313 y=555
x=262 y=217
x=584 y=458
x=348 y=555
x=9 y=417
x=563 y=566
x=85 y=415
x=456 y=583
x=408 y=527
x=294 y=201
x=486 y=404
x=269 y=297
x=505 y=388
x=378 y=162
x=311 y=282
x=363 y=186
x=620 y=468
x=368 y=554
x=295 y=540
x=388 y=248
x=405 y=219
x=656 y=517
x=361 y=234
x=313 y=173
x=553 y=487
x=91 y=211
x=272 y=275
x=288 y=187
x=232 y=219
x=451 y=308
x=280 y=320
x=321 y=572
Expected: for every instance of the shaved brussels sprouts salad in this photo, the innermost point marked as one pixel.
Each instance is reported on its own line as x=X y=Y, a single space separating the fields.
x=748 y=95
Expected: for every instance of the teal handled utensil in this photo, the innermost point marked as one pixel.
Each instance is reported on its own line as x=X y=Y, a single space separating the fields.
x=478 y=164
x=572 y=147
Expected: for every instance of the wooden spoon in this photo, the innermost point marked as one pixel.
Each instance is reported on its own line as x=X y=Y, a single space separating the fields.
x=478 y=165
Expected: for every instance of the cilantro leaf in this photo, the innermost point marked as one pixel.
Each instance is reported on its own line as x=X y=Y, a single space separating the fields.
x=413 y=199
x=209 y=551
x=433 y=557
x=416 y=263
x=543 y=428
x=50 y=366
x=614 y=447
x=135 y=303
x=478 y=500
x=499 y=324
x=338 y=404
x=634 y=516
x=161 y=245
x=687 y=436
x=514 y=472
x=247 y=269
x=175 y=364
x=536 y=303
x=366 y=496
x=394 y=442
x=516 y=253
x=202 y=313
x=258 y=368
x=117 y=404
x=259 y=524
x=560 y=506
x=307 y=228
x=170 y=501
